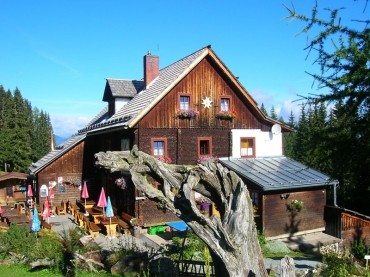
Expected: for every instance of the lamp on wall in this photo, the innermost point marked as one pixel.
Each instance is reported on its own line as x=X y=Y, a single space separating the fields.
x=284 y=195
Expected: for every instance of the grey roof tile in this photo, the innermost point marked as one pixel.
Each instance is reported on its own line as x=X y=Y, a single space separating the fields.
x=277 y=173
x=146 y=97
x=122 y=88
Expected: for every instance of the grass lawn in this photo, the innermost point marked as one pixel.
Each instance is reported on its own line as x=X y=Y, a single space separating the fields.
x=22 y=271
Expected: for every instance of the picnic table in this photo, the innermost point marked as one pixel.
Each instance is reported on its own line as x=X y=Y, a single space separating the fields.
x=110 y=225
x=18 y=219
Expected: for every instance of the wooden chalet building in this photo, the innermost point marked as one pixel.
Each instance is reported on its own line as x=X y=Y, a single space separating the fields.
x=189 y=110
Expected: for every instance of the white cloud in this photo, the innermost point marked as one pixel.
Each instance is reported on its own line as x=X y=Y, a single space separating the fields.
x=67 y=125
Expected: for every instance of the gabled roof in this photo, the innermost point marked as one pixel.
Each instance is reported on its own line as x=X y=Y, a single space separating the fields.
x=146 y=98
x=277 y=173
x=55 y=154
x=119 y=88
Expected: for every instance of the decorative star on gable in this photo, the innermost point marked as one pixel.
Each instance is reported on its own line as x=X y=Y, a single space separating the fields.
x=206 y=102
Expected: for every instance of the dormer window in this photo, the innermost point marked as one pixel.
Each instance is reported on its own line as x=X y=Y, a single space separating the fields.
x=184 y=102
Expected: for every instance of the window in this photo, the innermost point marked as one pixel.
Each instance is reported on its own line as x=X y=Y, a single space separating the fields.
x=255 y=200
x=204 y=146
x=247 y=148
x=225 y=104
x=184 y=103
x=159 y=147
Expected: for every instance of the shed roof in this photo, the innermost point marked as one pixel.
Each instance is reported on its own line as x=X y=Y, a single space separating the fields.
x=13 y=175
x=277 y=173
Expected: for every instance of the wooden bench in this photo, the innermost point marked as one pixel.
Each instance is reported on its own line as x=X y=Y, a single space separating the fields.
x=62 y=209
x=124 y=222
x=93 y=229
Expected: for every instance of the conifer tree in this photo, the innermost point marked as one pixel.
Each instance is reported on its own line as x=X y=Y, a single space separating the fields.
x=273 y=113
x=263 y=109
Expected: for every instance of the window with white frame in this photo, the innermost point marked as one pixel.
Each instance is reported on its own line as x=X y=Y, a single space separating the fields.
x=225 y=104
x=184 y=102
x=159 y=147
x=247 y=147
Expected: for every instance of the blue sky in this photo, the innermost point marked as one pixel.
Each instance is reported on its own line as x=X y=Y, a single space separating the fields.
x=58 y=53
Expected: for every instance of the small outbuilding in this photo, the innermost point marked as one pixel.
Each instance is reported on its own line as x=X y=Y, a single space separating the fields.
x=288 y=197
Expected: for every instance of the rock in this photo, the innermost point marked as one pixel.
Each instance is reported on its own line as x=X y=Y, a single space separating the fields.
x=130 y=264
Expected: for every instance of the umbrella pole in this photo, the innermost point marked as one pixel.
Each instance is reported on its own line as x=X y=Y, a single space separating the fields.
x=110 y=226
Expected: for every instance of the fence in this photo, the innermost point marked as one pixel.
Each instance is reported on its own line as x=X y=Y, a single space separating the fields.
x=194 y=268
x=346 y=224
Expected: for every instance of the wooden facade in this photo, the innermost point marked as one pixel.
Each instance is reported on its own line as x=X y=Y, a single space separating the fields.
x=277 y=220
x=69 y=167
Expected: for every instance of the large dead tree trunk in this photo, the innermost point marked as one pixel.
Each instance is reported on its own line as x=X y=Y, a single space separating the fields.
x=232 y=237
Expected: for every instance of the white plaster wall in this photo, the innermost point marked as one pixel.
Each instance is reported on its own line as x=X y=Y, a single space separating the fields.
x=120 y=102
x=267 y=144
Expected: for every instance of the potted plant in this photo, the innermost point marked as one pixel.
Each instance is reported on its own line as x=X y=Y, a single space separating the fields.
x=226 y=115
x=186 y=114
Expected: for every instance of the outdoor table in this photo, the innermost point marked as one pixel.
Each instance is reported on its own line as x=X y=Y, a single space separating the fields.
x=19 y=219
x=110 y=225
x=10 y=212
x=96 y=216
x=89 y=203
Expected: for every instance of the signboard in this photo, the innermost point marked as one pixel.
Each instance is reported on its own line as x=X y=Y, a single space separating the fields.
x=44 y=191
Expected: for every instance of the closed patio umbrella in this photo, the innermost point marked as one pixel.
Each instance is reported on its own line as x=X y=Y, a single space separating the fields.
x=102 y=200
x=51 y=196
x=110 y=214
x=35 y=227
x=46 y=210
x=85 y=195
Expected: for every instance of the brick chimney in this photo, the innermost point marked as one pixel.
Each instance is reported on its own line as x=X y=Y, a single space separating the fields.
x=151 y=68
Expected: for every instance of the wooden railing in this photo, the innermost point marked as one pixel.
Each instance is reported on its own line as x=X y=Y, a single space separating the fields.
x=340 y=220
x=350 y=221
x=194 y=268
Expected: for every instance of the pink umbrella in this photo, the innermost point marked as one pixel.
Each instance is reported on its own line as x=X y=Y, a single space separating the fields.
x=102 y=200
x=85 y=195
x=1 y=210
x=51 y=196
x=29 y=191
x=46 y=211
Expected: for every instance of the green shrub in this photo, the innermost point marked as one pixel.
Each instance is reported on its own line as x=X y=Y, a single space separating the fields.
x=359 y=249
x=17 y=240
x=193 y=248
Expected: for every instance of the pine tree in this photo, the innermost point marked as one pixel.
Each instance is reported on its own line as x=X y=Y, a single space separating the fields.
x=263 y=109
x=273 y=113
x=290 y=137
x=345 y=74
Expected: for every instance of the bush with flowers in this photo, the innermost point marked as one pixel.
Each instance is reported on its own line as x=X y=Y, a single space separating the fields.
x=295 y=205
x=204 y=159
x=165 y=159
x=187 y=114
x=226 y=115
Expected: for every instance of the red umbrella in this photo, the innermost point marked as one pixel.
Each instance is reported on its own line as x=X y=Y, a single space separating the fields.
x=85 y=194
x=102 y=200
x=51 y=196
x=29 y=191
x=46 y=211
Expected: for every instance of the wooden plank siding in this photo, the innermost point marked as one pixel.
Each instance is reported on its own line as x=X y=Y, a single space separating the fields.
x=182 y=144
x=203 y=81
x=277 y=220
x=68 y=166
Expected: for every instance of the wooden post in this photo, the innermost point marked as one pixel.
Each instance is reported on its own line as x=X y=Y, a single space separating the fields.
x=287 y=268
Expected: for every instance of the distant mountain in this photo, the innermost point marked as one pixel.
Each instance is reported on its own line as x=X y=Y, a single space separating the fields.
x=59 y=140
